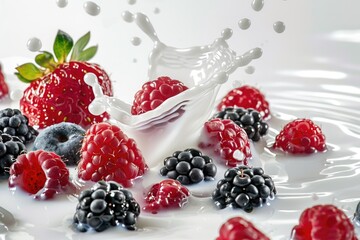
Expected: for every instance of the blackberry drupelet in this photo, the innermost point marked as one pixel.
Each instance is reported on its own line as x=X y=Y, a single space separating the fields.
x=106 y=204
x=244 y=187
x=188 y=167
x=248 y=119
x=14 y=123
x=10 y=148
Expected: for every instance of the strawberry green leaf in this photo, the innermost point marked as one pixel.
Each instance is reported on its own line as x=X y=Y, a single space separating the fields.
x=46 y=60
x=29 y=71
x=80 y=45
x=87 y=54
x=62 y=46
x=21 y=78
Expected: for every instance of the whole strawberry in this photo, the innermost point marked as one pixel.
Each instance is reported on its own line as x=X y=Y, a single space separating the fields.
x=323 y=222
x=4 y=89
x=300 y=136
x=108 y=154
x=237 y=228
x=57 y=92
x=246 y=97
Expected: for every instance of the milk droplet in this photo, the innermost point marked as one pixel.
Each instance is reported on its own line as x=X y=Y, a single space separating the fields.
x=250 y=70
x=279 y=27
x=96 y=108
x=92 y=8
x=156 y=10
x=227 y=33
x=131 y=2
x=34 y=44
x=136 y=41
x=16 y=95
x=244 y=23
x=257 y=5
x=134 y=60
x=90 y=78
x=61 y=3
x=127 y=16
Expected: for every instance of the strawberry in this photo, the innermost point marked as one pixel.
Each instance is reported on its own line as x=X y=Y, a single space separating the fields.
x=108 y=154
x=40 y=173
x=246 y=97
x=227 y=140
x=154 y=93
x=300 y=136
x=237 y=228
x=166 y=194
x=57 y=92
x=322 y=222
x=4 y=89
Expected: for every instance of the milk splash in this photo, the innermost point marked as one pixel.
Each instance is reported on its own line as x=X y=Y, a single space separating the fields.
x=202 y=68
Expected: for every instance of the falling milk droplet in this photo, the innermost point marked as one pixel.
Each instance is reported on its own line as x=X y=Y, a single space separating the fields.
x=34 y=44
x=244 y=23
x=127 y=16
x=156 y=10
x=91 y=8
x=257 y=5
x=250 y=70
x=227 y=33
x=279 y=27
x=136 y=41
x=61 y=3
x=131 y=2
x=16 y=95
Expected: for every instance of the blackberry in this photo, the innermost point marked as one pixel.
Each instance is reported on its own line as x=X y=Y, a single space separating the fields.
x=244 y=187
x=14 y=123
x=10 y=148
x=188 y=167
x=248 y=119
x=106 y=204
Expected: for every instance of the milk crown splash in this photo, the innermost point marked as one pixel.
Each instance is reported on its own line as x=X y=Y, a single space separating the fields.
x=202 y=69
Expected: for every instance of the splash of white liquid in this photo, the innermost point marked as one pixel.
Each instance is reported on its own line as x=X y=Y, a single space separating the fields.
x=279 y=27
x=250 y=70
x=91 y=8
x=136 y=41
x=34 y=44
x=202 y=69
x=16 y=95
x=61 y=3
x=257 y=5
x=127 y=16
x=244 y=23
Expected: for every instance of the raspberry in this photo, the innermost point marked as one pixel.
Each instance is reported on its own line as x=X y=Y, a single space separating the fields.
x=108 y=154
x=41 y=173
x=245 y=188
x=300 y=136
x=14 y=123
x=154 y=93
x=189 y=166
x=106 y=204
x=166 y=194
x=246 y=97
x=248 y=119
x=4 y=89
x=324 y=222
x=237 y=228
x=64 y=139
x=227 y=140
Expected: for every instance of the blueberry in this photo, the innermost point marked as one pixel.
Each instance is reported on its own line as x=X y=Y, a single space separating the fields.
x=98 y=194
x=98 y=206
x=4 y=122
x=196 y=175
x=247 y=119
x=170 y=163
x=198 y=162
x=210 y=170
x=22 y=129
x=12 y=148
x=183 y=168
x=185 y=156
x=64 y=139
x=163 y=171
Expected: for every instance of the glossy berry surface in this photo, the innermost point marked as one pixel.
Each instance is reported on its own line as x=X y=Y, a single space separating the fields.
x=189 y=166
x=4 y=89
x=108 y=154
x=105 y=205
x=40 y=173
x=248 y=119
x=324 y=222
x=166 y=194
x=300 y=136
x=246 y=97
x=154 y=93
x=244 y=187
x=237 y=228
x=10 y=148
x=14 y=123
x=65 y=139
x=227 y=140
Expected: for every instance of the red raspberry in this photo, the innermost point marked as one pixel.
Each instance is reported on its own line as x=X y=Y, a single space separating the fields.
x=228 y=140
x=246 y=97
x=4 y=89
x=238 y=228
x=166 y=194
x=41 y=173
x=300 y=136
x=154 y=93
x=324 y=222
x=108 y=154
